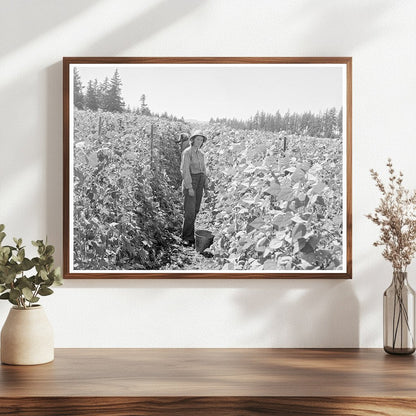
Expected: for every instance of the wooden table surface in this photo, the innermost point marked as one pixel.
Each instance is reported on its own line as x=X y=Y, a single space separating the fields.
x=212 y=382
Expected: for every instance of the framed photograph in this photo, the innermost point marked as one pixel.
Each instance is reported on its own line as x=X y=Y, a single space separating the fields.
x=207 y=167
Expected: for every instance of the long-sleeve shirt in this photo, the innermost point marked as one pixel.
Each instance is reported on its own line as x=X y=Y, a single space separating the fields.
x=192 y=162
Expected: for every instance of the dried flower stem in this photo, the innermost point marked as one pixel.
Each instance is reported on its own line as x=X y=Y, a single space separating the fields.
x=396 y=216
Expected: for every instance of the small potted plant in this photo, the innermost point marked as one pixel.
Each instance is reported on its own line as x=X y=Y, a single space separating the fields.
x=396 y=217
x=27 y=336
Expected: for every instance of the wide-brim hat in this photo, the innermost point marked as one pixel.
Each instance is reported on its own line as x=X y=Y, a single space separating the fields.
x=198 y=133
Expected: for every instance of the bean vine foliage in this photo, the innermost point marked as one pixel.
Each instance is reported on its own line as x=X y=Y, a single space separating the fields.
x=127 y=198
x=276 y=209
x=275 y=199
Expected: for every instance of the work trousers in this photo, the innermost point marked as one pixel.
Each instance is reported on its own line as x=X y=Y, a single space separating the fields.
x=191 y=205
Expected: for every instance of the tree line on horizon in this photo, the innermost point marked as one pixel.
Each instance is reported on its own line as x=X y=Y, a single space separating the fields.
x=324 y=124
x=107 y=96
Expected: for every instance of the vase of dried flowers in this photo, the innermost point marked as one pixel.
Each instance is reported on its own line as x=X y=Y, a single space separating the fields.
x=396 y=217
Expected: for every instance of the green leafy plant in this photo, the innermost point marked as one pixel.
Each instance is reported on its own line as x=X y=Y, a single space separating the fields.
x=15 y=285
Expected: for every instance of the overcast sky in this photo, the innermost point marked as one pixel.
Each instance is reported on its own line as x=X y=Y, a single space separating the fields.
x=203 y=91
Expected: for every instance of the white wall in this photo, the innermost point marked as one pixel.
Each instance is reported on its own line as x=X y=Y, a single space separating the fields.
x=380 y=35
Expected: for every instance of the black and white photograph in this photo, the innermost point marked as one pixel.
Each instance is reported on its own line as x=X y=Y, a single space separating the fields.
x=218 y=168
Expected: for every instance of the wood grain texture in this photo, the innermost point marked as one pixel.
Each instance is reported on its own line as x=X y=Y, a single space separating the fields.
x=214 y=372
x=67 y=61
x=208 y=60
x=212 y=381
x=207 y=406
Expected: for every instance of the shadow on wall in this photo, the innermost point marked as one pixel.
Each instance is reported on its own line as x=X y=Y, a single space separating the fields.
x=54 y=167
x=284 y=313
x=301 y=313
x=39 y=15
x=347 y=25
x=155 y=19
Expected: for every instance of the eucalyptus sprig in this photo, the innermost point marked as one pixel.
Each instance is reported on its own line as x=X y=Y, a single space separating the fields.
x=396 y=217
x=15 y=285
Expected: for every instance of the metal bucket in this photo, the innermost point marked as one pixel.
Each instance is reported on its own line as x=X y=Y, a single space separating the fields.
x=203 y=239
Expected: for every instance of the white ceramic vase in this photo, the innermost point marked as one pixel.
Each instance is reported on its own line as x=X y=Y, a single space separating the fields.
x=27 y=337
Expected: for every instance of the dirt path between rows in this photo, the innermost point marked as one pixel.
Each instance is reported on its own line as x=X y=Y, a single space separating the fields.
x=187 y=258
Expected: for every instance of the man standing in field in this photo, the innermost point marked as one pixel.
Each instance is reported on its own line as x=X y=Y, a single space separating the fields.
x=194 y=184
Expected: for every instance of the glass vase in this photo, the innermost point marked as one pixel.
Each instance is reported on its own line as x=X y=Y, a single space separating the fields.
x=399 y=316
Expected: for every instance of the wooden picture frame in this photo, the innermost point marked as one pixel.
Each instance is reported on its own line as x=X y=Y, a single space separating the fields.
x=287 y=165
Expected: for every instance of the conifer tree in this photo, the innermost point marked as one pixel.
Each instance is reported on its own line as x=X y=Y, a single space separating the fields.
x=102 y=94
x=330 y=122
x=78 y=94
x=278 y=121
x=91 y=96
x=144 y=109
x=115 y=100
x=339 y=122
x=286 y=121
